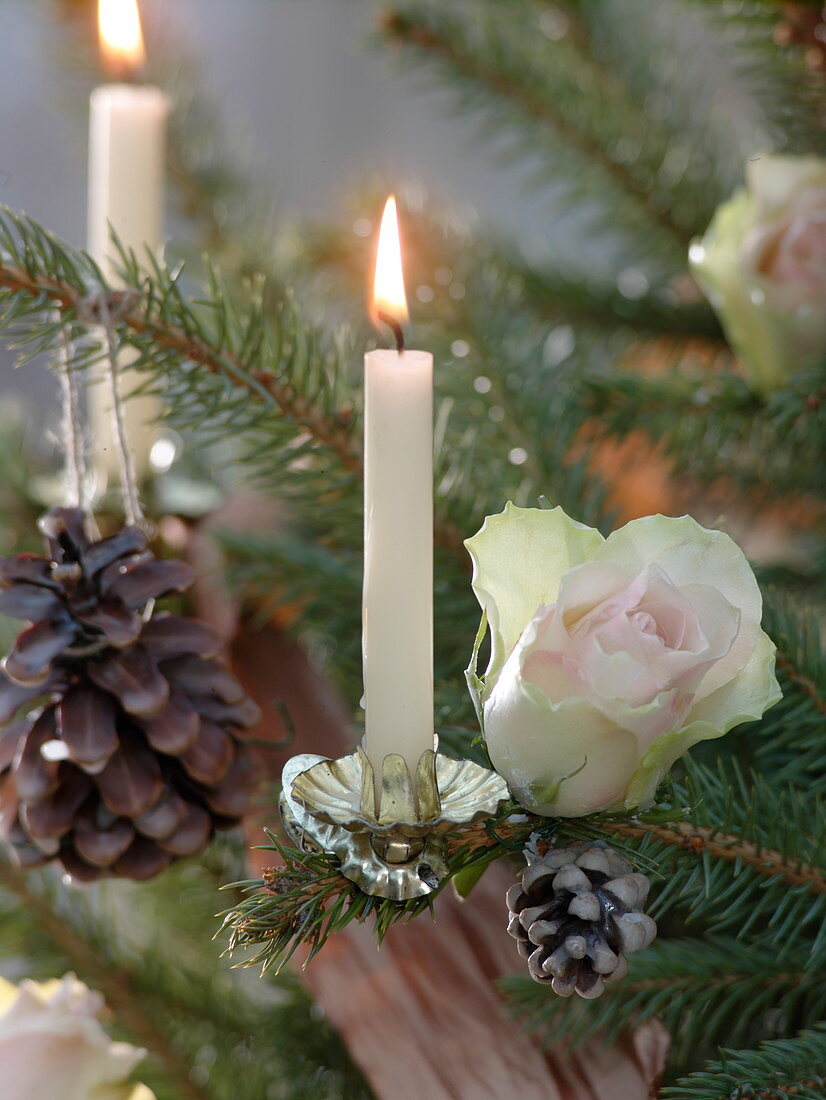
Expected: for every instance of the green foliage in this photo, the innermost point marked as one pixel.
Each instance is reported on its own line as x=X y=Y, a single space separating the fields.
x=777 y=912
x=707 y=993
x=553 y=99
x=714 y=427
x=539 y=365
x=302 y=901
x=749 y=873
x=742 y=879
x=780 y=1068
x=225 y=369
x=737 y=886
x=791 y=747
x=579 y=297
x=773 y=69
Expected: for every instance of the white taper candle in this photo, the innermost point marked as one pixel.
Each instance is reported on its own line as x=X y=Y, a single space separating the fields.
x=398 y=555
x=127 y=137
x=398 y=530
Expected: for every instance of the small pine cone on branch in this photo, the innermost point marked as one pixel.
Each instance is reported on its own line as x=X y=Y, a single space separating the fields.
x=128 y=752
x=575 y=914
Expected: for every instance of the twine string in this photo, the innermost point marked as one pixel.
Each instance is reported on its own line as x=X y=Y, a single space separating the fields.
x=75 y=473
x=105 y=309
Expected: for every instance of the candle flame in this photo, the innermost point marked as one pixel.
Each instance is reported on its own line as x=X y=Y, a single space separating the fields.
x=389 y=299
x=121 y=37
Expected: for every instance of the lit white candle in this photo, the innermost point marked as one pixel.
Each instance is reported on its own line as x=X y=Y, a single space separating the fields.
x=127 y=134
x=398 y=528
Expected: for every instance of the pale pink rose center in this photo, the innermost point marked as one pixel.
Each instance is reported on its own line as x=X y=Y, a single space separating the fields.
x=645 y=623
x=638 y=653
x=793 y=253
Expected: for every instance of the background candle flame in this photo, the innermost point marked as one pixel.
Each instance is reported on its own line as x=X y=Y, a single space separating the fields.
x=389 y=297
x=121 y=38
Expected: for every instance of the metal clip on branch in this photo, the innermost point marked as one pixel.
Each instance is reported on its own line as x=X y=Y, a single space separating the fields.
x=391 y=845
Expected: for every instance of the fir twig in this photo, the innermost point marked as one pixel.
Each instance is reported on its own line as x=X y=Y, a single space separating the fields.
x=707 y=993
x=783 y=1067
x=261 y=384
x=164 y=321
x=581 y=298
x=684 y=835
x=306 y=899
x=440 y=39
x=732 y=849
x=802 y=681
x=715 y=428
x=791 y=747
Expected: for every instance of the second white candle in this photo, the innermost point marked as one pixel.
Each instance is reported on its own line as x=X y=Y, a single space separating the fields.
x=398 y=555
x=127 y=139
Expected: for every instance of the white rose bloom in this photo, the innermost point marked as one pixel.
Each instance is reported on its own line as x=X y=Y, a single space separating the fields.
x=762 y=263
x=52 y=1046
x=611 y=657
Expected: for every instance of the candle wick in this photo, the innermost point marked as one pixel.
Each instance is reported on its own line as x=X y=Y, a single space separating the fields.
x=121 y=71
x=395 y=328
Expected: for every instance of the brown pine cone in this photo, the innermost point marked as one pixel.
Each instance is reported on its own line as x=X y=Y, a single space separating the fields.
x=128 y=752
x=575 y=914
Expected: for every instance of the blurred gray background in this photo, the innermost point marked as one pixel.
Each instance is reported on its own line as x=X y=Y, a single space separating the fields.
x=299 y=80
x=317 y=106
x=306 y=96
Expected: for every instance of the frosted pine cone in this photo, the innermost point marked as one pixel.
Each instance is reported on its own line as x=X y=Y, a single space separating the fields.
x=127 y=754
x=576 y=914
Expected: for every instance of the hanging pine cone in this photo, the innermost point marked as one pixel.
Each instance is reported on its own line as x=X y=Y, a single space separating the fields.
x=127 y=754
x=575 y=914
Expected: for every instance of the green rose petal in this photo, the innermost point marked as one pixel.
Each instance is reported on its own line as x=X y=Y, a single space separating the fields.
x=519 y=557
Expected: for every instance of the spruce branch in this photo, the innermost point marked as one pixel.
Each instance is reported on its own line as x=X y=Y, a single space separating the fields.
x=714 y=428
x=305 y=899
x=786 y=75
x=746 y=856
x=301 y=902
x=708 y=992
x=577 y=297
x=441 y=37
x=684 y=836
x=700 y=839
x=188 y=346
x=783 y=1067
x=791 y=747
x=225 y=339
x=803 y=682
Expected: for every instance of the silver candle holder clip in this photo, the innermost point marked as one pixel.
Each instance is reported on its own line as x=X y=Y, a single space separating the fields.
x=391 y=844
